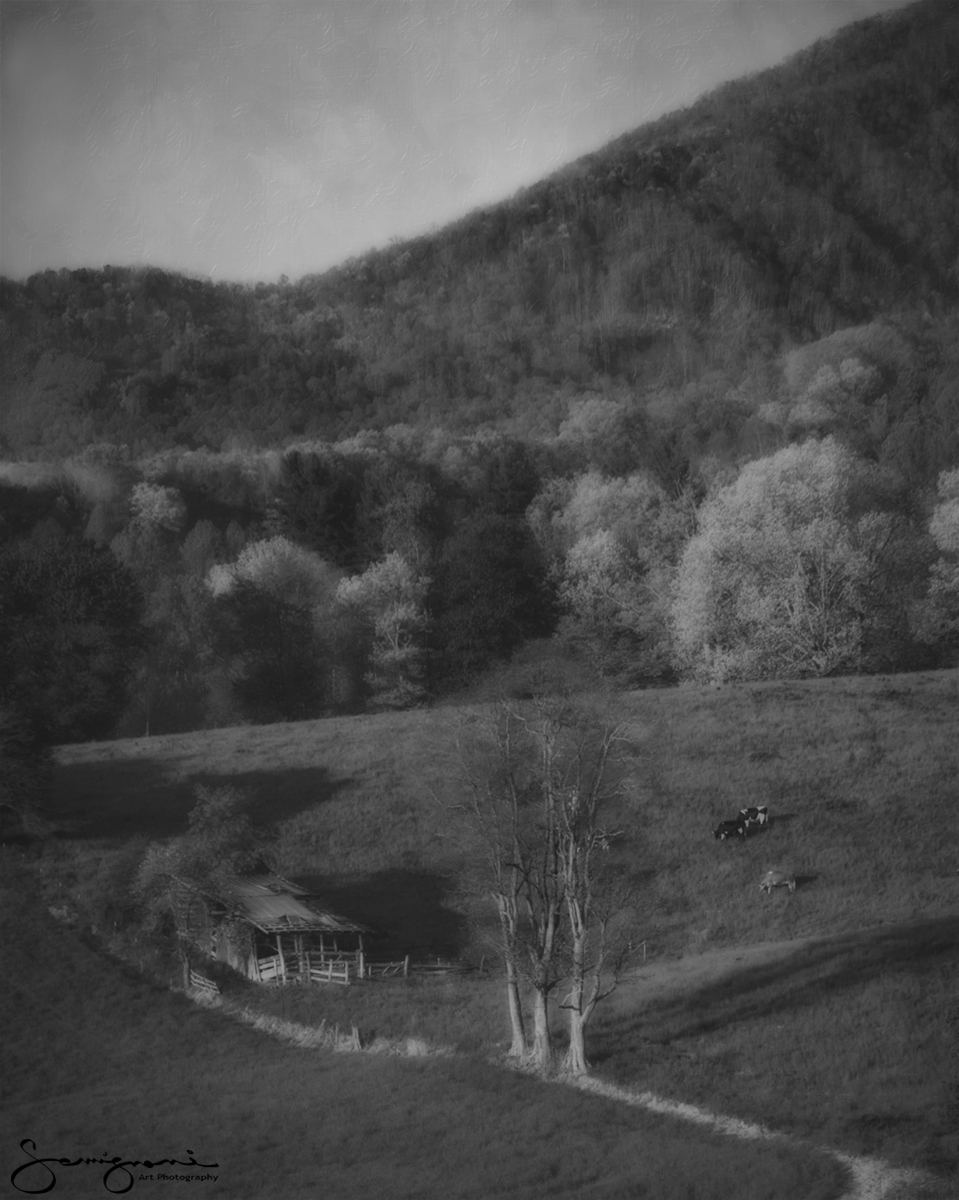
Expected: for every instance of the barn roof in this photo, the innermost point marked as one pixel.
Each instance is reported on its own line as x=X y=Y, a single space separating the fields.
x=275 y=905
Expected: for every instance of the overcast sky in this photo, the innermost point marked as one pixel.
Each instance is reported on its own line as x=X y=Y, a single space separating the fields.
x=244 y=140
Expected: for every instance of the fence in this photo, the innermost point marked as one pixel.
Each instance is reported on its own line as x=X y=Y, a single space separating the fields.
x=344 y=967
x=441 y=966
x=295 y=968
x=384 y=969
x=327 y=971
x=202 y=983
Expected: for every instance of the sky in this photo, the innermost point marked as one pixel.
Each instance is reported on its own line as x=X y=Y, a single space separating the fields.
x=244 y=140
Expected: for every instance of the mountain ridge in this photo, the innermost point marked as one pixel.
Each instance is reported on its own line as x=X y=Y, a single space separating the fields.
x=776 y=209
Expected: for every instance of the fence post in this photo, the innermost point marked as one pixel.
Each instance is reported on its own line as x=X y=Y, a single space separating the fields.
x=406 y=965
x=361 y=964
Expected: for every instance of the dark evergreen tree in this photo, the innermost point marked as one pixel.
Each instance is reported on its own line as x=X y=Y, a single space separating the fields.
x=275 y=661
x=317 y=499
x=490 y=593
x=509 y=479
x=71 y=630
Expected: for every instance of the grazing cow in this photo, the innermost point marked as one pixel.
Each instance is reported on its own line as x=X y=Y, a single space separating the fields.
x=755 y=817
x=728 y=829
x=777 y=879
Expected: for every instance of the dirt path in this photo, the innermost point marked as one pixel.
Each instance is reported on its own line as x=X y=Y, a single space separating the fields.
x=658 y=983
x=871 y=1178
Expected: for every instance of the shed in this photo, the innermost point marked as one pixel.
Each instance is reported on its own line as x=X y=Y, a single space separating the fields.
x=272 y=930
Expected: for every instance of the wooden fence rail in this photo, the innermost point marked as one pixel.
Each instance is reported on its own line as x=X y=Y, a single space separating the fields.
x=269 y=968
x=295 y=968
x=202 y=983
x=344 y=967
x=383 y=969
x=441 y=966
x=329 y=972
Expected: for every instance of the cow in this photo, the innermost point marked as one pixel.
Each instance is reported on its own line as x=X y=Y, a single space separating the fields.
x=777 y=879
x=728 y=829
x=755 y=818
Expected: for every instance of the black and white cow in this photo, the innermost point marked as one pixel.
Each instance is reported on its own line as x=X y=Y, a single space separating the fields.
x=728 y=829
x=755 y=818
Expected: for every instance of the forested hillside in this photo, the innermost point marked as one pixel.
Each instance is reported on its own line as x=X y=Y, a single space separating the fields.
x=689 y=407
x=675 y=262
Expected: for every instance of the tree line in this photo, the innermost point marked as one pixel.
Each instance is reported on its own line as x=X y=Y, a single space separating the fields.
x=194 y=589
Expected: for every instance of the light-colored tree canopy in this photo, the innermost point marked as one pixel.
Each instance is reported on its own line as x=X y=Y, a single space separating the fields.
x=614 y=544
x=796 y=569
x=280 y=568
x=936 y=617
x=389 y=597
x=156 y=507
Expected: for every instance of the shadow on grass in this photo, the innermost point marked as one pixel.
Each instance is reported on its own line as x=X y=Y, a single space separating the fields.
x=124 y=798
x=408 y=910
x=812 y=972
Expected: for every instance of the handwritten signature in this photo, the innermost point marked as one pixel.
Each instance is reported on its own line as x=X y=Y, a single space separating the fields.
x=115 y=1164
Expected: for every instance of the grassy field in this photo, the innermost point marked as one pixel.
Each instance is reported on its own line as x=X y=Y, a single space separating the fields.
x=98 y=1062
x=852 y=1037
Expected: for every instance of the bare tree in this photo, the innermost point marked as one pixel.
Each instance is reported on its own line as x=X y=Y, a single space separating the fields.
x=540 y=781
x=598 y=896
x=493 y=804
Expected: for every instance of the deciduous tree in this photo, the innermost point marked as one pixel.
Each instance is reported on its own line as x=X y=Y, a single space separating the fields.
x=186 y=881
x=542 y=788
x=801 y=567
x=936 y=616
x=389 y=598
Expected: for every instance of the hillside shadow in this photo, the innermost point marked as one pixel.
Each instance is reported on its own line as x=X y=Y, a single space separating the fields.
x=409 y=911
x=124 y=798
x=815 y=970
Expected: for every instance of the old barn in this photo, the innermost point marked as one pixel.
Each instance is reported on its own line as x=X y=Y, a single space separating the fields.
x=274 y=931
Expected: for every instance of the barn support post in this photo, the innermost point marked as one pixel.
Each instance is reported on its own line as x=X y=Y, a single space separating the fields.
x=281 y=971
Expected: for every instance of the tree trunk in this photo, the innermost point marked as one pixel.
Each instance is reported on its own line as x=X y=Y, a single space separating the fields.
x=576 y=1063
x=542 y=1046
x=518 y=1045
x=576 y=1055
x=507 y=918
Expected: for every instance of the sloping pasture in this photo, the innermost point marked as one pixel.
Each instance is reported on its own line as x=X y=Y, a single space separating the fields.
x=861 y=776
x=98 y=1062
x=852 y=1037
